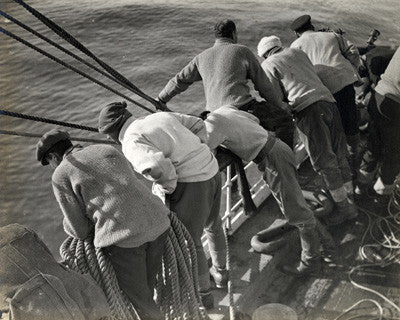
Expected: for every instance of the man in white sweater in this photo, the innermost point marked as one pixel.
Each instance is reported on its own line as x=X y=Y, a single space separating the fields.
x=336 y=61
x=318 y=121
x=241 y=133
x=98 y=192
x=167 y=148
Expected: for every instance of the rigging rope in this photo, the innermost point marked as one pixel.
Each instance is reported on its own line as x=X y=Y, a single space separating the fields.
x=68 y=37
x=177 y=283
x=22 y=25
x=68 y=66
x=36 y=135
x=45 y=120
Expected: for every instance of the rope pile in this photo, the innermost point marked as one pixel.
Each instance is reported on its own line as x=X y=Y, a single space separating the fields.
x=177 y=286
x=383 y=252
x=177 y=283
x=81 y=256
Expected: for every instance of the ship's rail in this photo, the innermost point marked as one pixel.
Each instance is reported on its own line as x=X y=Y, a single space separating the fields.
x=258 y=189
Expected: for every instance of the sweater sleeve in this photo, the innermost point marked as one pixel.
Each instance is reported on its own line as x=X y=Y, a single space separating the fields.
x=261 y=82
x=349 y=51
x=194 y=124
x=75 y=223
x=276 y=85
x=181 y=81
x=153 y=165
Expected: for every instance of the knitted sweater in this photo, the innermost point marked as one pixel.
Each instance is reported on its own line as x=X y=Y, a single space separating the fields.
x=294 y=79
x=96 y=188
x=334 y=58
x=166 y=147
x=225 y=70
x=238 y=131
x=389 y=85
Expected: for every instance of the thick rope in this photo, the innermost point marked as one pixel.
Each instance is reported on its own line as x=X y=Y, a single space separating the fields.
x=68 y=66
x=232 y=313
x=69 y=38
x=84 y=258
x=176 y=287
x=36 y=135
x=45 y=120
x=68 y=52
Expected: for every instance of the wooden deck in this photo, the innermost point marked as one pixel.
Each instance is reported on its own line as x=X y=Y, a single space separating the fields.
x=257 y=280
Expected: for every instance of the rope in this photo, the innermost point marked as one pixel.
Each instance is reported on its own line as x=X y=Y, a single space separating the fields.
x=68 y=66
x=69 y=38
x=76 y=57
x=45 y=120
x=176 y=287
x=35 y=135
x=84 y=258
x=384 y=231
x=232 y=311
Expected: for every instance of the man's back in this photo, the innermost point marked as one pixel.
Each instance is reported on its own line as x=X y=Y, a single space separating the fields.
x=225 y=70
x=96 y=185
x=297 y=78
x=325 y=53
x=162 y=135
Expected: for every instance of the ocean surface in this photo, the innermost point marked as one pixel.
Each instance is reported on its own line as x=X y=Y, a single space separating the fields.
x=148 y=42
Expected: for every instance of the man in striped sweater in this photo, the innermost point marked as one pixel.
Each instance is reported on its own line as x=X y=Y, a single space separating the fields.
x=167 y=148
x=318 y=121
x=98 y=192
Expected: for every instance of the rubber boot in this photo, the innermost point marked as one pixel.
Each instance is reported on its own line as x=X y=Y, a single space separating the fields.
x=345 y=210
x=353 y=147
x=328 y=246
x=220 y=276
x=310 y=255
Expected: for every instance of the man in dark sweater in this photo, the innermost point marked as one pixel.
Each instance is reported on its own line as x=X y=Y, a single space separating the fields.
x=225 y=69
x=97 y=191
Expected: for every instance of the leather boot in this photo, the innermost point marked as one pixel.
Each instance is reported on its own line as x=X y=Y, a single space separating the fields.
x=310 y=255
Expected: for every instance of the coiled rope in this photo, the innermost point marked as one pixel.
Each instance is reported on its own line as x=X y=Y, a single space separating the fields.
x=177 y=284
x=385 y=232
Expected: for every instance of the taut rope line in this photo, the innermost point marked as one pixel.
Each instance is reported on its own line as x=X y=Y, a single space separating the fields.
x=45 y=120
x=68 y=37
x=68 y=52
x=35 y=135
x=68 y=66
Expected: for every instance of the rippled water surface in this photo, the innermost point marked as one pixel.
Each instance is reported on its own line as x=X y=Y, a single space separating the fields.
x=148 y=42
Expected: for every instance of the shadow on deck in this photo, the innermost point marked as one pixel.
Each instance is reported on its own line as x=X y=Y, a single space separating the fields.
x=257 y=281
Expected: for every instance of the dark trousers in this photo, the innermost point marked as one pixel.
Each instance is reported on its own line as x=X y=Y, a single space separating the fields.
x=346 y=104
x=136 y=270
x=321 y=131
x=383 y=143
x=196 y=205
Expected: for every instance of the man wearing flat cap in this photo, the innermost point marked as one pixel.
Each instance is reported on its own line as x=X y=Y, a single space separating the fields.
x=225 y=70
x=168 y=149
x=318 y=120
x=336 y=62
x=98 y=192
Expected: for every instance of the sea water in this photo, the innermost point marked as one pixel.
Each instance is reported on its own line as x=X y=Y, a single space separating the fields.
x=148 y=42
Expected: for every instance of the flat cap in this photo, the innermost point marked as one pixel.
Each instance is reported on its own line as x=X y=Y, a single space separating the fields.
x=48 y=140
x=300 y=22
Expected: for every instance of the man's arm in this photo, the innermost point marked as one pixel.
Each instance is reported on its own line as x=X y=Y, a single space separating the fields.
x=194 y=124
x=349 y=51
x=153 y=165
x=75 y=223
x=180 y=82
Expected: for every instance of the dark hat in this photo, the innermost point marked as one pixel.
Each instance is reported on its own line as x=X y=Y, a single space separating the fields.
x=301 y=22
x=47 y=141
x=112 y=116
